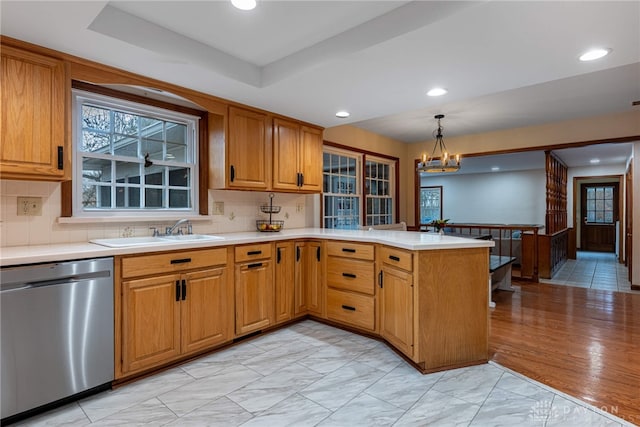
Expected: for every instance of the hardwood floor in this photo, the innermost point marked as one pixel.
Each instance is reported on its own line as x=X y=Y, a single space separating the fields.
x=583 y=342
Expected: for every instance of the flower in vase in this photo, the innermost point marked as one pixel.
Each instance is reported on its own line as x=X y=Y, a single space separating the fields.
x=439 y=224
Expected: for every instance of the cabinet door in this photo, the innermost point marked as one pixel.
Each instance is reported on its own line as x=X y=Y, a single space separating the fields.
x=300 y=282
x=312 y=258
x=254 y=296
x=286 y=141
x=396 y=309
x=284 y=271
x=150 y=321
x=310 y=158
x=32 y=127
x=248 y=152
x=207 y=303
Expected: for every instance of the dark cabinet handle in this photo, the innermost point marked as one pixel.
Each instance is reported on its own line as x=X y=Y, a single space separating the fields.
x=350 y=250
x=278 y=255
x=254 y=252
x=180 y=261
x=232 y=173
x=318 y=253
x=256 y=265
x=297 y=253
x=394 y=258
x=298 y=179
x=349 y=275
x=177 y=290
x=348 y=307
x=184 y=290
x=380 y=278
x=60 y=157
x=301 y=179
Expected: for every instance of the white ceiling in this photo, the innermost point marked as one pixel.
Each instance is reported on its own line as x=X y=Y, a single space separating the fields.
x=605 y=154
x=506 y=63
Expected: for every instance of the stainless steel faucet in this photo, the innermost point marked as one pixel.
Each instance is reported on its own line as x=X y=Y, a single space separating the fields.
x=169 y=230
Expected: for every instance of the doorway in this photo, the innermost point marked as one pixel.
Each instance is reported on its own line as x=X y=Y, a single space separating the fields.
x=599 y=202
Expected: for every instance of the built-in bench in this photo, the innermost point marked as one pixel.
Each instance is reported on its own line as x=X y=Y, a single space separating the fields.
x=499 y=274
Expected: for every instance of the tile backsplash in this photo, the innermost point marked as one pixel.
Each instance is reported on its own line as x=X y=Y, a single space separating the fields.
x=241 y=210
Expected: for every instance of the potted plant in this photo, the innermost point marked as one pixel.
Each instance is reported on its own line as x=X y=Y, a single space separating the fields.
x=439 y=224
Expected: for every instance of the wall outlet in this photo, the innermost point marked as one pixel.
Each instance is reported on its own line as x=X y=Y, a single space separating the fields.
x=218 y=208
x=299 y=207
x=29 y=206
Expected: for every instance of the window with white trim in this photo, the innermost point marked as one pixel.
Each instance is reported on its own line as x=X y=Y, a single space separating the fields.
x=379 y=175
x=344 y=204
x=131 y=157
x=341 y=189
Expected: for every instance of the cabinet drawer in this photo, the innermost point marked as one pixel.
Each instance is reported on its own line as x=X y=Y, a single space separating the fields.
x=397 y=257
x=250 y=252
x=351 y=275
x=350 y=250
x=172 y=262
x=353 y=309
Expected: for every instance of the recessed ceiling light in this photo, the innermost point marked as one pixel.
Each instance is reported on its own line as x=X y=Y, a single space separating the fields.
x=594 y=54
x=594 y=161
x=437 y=91
x=495 y=169
x=244 y=4
x=343 y=114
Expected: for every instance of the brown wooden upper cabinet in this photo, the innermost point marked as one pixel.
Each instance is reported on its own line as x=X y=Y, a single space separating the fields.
x=249 y=150
x=297 y=157
x=34 y=114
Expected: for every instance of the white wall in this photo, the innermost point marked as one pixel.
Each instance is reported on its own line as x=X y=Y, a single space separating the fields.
x=241 y=209
x=499 y=198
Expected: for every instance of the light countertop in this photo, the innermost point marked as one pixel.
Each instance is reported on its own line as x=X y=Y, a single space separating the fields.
x=16 y=255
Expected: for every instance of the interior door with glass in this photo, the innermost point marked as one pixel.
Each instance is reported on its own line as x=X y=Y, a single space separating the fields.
x=600 y=213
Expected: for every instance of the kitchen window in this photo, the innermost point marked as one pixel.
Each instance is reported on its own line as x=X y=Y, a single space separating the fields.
x=131 y=157
x=378 y=178
x=358 y=189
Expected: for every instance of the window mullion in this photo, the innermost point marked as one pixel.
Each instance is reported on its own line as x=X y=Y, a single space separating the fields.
x=143 y=193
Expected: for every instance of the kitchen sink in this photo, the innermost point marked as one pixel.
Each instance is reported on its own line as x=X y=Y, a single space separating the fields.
x=189 y=237
x=120 y=242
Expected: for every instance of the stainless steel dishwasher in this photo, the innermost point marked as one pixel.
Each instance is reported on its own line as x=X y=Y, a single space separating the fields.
x=57 y=333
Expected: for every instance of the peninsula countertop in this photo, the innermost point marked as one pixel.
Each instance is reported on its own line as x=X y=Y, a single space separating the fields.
x=411 y=240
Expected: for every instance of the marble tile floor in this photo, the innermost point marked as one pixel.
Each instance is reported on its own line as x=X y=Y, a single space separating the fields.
x=311 y=374
x=595 y=270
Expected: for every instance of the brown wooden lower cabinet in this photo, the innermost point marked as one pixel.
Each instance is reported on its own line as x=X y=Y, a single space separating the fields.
x=351 y=284
x=351 y=308
x=431 y=305
x=396 y=308
x=254 y=296
x=310 y=293
x=150 y=321
x=164 y=317
x=284 y=281
x=452 y=308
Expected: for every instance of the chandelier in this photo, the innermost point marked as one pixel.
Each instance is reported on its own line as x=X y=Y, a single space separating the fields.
x=443 y=162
